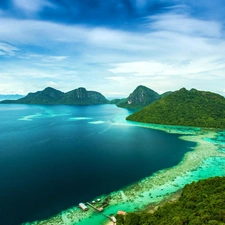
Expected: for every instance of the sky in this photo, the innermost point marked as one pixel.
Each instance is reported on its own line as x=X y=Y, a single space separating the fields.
x=112 y=46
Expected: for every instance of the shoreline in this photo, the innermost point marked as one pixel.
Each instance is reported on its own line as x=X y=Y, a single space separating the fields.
x=154 y=206
x=162 y=186
x=172 y=198
x=201 y=143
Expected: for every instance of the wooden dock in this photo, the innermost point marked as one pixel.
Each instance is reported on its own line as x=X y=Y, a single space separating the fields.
x=92 y=206
x=113 y=219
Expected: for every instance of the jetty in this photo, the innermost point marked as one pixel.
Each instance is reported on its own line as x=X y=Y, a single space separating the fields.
x=92 y=206
x=112 y=218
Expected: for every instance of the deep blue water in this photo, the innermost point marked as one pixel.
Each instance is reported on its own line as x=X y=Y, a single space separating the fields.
x=53 y=157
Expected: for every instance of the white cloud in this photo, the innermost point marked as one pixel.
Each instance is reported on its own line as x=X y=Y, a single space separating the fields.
x=166 y=37
x=41 y=33
x=183 y=24
x=203 y=73
x=189 y=69
x=6 y=49
x=34 y=79
x=138 y=68
x=170 y=52
x=58 y=58
x=28 y=32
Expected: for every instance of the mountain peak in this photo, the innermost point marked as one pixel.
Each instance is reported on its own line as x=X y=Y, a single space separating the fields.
x=81 y=89
x=50 y=89
x=139 y=98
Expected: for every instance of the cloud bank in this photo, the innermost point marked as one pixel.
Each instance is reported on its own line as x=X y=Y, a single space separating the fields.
x=163 y=45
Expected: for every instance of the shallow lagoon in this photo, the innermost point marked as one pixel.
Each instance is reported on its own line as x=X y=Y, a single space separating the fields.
x=47 y=123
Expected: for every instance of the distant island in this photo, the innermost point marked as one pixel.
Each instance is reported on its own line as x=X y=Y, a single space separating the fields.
x=139 y=98
x=185 y=108
x=10 y=97
x=201 y=202
x=52 y=96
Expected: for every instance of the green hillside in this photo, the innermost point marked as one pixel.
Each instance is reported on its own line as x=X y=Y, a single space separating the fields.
x=81 y=96
x=201 y=202
x=115 y=101
x=165 y=94
x=47 y=96
x=139 y=98
x=185 y=108
x=50 y=95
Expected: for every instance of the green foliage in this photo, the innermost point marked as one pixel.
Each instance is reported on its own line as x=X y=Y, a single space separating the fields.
x=115 y=101
x=81 y=96
x=120 y=219
x=49 y=95
x=185 y=108
x=139 y=98
x=201 y=202
x=165 y=94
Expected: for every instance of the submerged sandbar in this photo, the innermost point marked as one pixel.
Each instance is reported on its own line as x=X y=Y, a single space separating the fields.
x=206 y=160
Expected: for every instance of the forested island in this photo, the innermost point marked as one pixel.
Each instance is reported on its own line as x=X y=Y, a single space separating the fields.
x=185 y=108
x=10 y=97
x=51 y=96
x=139 y=98
x=201 y=202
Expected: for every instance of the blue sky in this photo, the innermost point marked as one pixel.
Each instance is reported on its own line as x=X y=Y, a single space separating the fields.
x=112 y=46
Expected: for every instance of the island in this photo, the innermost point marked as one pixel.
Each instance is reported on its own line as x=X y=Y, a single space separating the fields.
x=51 y=96
x=185 y=108
x=139 y=98
x=10 y=97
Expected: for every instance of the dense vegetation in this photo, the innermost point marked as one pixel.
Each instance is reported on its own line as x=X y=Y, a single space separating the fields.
x=139 y=98
x=165 y=94
x=81 y=96
x=201 y=202
x=185 y=108
x=50 y=95
x=115 y=101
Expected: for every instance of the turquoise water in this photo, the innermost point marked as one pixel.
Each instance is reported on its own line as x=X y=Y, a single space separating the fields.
x=53 y=157
x=208 y=160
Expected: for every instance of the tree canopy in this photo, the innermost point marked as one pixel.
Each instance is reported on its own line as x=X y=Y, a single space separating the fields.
x=185 y=108
x=201 y=202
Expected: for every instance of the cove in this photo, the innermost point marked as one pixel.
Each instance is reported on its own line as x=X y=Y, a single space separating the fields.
x=53 y=157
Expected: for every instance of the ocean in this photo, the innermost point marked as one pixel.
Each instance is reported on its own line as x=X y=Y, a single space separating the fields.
x=53 y=157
